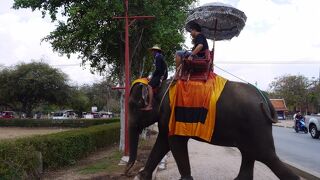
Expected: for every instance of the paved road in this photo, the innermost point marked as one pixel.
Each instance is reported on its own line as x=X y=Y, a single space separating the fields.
x=298 y=149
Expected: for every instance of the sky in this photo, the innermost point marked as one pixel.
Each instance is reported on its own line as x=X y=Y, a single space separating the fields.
x=281 y=37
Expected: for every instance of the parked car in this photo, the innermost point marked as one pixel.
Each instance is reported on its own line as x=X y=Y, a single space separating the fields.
x=313 y=125
x=106 y=114
x=96 y=115
x=281 y=116
x=67 y=114
x=7 y=115
x=59 y=115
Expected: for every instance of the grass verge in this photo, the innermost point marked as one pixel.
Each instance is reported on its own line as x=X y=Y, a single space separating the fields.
x=25 y=158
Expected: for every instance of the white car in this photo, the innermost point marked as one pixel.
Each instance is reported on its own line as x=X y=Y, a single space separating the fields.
x=313 y=125
x=68 y=114
x=59 y=115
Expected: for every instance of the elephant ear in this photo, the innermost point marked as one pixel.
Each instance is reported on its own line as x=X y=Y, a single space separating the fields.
x=145 y=94
x=138 y=95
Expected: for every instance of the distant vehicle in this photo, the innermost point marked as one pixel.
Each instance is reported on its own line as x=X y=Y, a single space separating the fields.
x=91 y=115
x=58 y=115
x=313 y=125
x=281 y=116
x=300 y=125
x=7 y=115
x=106 y=114
x=67 y=114
x=96 y=115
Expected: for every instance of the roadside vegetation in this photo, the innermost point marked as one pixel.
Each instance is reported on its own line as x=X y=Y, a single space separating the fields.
x=37 y=88
x=299 y=92
x=28 y=157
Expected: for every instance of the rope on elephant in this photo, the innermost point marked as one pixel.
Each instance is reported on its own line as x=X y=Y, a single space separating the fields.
x=231 y=74
x=167 y=90
x=263 y=96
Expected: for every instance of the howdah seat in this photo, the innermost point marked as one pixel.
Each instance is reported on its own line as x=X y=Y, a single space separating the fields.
x=197 y=69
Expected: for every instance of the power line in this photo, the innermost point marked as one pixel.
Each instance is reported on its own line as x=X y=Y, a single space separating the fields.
x=269 y=62
x=64 y=65
x=216 y=62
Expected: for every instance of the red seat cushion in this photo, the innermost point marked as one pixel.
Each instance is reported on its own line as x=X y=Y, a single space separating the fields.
x=197 y=69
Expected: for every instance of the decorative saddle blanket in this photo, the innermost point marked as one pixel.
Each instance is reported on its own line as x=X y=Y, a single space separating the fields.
x=144 y=81
x=193 y=107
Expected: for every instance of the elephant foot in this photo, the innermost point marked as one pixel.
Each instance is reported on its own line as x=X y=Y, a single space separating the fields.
x=143 y=175
x=244 y=178
x=186 y=178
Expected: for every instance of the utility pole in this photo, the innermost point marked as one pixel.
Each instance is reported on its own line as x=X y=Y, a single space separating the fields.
x=128 y=23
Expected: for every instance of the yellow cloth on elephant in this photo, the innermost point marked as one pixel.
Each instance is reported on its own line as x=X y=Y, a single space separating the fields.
x=141 y=80
x=193 y=107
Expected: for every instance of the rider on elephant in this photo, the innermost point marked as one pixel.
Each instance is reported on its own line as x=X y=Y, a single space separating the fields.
x=160 y=73
x=200 y=45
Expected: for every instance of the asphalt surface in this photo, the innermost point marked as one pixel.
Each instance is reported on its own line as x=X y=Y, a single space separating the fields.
x=209 y=162
x=298 y=149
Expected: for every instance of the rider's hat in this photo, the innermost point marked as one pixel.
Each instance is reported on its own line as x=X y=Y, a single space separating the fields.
x=156 y=47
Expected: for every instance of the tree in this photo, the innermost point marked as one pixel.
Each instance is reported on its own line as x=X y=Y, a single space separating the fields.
x=26 y=86
x=294 y=89
x=101 y=95
x=313 y=96
x=88 y=29
x=78 y=101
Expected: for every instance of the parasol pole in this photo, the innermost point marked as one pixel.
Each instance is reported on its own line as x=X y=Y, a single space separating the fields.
x=214 y=34
x=214 y=41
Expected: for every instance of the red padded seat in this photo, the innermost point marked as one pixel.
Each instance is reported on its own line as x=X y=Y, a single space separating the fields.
x=197 y=69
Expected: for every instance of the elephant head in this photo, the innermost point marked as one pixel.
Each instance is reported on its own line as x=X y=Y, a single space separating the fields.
x=138 y=119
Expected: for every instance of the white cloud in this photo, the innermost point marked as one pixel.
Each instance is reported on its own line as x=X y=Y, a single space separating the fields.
x=276 y=31
x=21 y=32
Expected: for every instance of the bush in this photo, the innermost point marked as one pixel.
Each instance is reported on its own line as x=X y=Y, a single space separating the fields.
x=54 y=122
x=20 y=159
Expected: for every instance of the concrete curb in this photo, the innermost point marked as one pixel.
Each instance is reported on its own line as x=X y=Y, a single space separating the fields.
x=282 y=126
x=302 y=173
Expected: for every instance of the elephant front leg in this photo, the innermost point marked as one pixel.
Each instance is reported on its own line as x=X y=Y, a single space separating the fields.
x=246 y=169
x=179 y=149
x=159 y=150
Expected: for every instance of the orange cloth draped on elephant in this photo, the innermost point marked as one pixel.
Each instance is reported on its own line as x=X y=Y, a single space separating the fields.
x=193 y=107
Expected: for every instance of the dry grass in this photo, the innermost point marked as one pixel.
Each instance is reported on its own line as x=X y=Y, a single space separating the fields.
x=17 y=132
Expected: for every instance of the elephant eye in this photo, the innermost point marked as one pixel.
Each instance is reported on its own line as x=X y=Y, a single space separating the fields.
x=141 y=102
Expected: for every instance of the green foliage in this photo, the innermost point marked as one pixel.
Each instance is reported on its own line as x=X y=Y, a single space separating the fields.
x=78 y=101
x=298 y=91
x=20 y=159
x=37 y=87
x=88 y=29
x=101 y=95
x=72 y=123
x=26 y=86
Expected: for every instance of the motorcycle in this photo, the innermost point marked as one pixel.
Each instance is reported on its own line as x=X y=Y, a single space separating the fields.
x=300 y=125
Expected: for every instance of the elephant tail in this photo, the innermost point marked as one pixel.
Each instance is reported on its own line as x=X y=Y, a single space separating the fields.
x=269 y=111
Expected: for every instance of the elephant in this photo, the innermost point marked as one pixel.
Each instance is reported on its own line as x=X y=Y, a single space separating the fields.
x=244 y=120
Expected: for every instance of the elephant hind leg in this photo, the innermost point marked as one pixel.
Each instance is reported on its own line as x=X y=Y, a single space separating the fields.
x=279 y=168
x=179 y=149
x=246 y=169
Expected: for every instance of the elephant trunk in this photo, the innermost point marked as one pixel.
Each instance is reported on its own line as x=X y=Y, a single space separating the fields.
x=133 y=147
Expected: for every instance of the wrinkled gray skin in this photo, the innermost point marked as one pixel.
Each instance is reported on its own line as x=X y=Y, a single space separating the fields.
x=243 y=120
